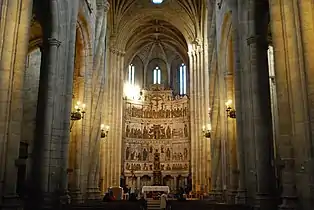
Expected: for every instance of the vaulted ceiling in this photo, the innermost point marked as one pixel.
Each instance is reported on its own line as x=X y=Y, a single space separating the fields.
x=142 y=28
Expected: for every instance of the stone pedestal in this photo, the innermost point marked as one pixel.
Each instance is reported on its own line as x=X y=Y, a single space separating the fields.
x=231 y=196
x=76 y=196
x=12 y=202
x=216 y=195
x=93 y=194
x=241 y=197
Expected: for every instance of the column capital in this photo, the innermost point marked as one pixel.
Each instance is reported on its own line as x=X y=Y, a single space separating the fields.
x=103 y=5
x=53 y=42
x=116 y=51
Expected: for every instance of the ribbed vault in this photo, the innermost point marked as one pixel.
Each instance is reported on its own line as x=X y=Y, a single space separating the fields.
x=128 y=17
x=157 y=35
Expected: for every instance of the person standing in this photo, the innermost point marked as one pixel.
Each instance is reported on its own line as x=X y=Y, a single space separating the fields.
x=163 y=201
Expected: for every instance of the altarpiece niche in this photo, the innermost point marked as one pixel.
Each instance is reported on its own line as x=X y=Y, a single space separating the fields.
x=156 y=125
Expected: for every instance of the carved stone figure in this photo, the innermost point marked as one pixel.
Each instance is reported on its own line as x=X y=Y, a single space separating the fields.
x=145 y=133
x=145 y=153
x=168 y=132
x=127 y=131
x=168 y=154
x=185 y=153
x=127 y=153
x=156 y=161
x=186 y=134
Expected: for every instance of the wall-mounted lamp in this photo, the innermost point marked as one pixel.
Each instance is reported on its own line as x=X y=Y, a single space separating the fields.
x=78 y=113
x=104 y=131
x=231 y=112
x=207 y=131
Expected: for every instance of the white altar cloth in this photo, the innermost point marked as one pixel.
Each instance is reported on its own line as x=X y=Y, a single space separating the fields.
x=155 y=188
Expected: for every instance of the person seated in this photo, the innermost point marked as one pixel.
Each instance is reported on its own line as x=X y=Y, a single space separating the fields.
x=109 y=197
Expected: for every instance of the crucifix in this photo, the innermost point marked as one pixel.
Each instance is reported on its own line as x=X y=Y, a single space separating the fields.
x=157 y=99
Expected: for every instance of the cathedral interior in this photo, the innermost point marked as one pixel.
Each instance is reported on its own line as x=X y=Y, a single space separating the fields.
x=213 y=96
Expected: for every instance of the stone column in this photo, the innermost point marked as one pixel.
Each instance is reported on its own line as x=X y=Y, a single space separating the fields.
x=239 y=100
x=14 y=33
x=231 y=150
x=293 y=113
x=138 y=183
x=41 y=152
x=261 y=111
x=175 y=183
x=192 y=112
x=304 y=119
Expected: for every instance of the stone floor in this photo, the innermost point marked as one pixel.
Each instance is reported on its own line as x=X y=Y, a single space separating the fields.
x=175 y=205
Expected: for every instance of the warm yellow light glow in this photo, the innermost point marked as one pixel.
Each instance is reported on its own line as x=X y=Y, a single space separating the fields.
x=78 y=103
x=107 y=128
x=83 y=106
x=102 y=126
x=209 y=127
x=228 y=103
x=204 y=127
x=76 y=107
x=131 y=91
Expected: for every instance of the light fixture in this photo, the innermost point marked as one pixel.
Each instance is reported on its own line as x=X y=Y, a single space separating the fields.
x=78 y=113
x=104 y=131
x=157 y=1
x=231 y=112
x=207 y=131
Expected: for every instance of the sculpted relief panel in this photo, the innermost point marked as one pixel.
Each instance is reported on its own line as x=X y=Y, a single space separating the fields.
x=157 y=124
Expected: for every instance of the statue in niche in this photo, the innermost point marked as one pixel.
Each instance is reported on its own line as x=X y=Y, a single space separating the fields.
x=185 y=111
x=133 y=155
x=174 y=156
x=156 y=161
x=168 y=168
x=168 y=154
x=151 y=149
x=162 y=133
x=151 y=167
x=185 y=153
x=168 y=132
x=139 y=156
x=186 y=134
x=145 y=154
x=145 y=167
x=145 y=133
x=127 y=166
x=168 y=115
x=155 y=131
x=180 y=156
x=162 y=166
x=127 y=153
x=162 y=149
x=127 y=131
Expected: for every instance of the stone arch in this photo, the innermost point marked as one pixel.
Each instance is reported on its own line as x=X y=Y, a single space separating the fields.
x=226 y=80
x=81 y=78
x=49 y=17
